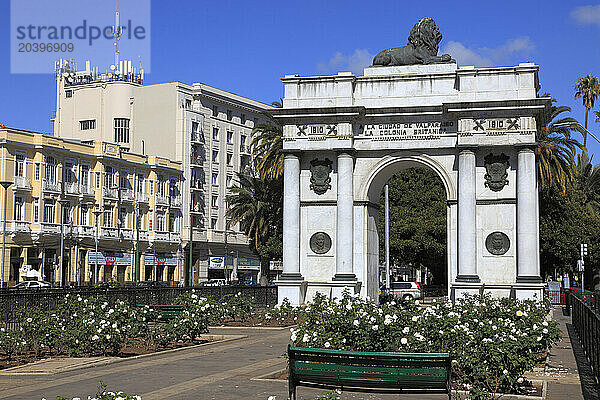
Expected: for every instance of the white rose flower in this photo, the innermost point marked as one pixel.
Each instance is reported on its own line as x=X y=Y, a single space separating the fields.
x=355 y=322
x=406 y=330
x=327 y=344
x=375 y=327
x=404 y=340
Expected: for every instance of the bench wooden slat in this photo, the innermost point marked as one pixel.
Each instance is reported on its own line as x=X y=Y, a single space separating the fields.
x=359 y=370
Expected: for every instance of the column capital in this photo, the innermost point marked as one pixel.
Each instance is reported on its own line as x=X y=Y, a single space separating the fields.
x=350 y=152
x=526 y=147
x=291 y=152
x=462 y=148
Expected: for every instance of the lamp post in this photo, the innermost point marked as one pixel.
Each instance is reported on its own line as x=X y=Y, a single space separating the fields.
x=5 y=185
x=63 y=204
x=97 y=213
x=581 y=266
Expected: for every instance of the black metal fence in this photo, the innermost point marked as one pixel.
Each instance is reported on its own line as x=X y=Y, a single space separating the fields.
x=586 y=321
x=12 y=301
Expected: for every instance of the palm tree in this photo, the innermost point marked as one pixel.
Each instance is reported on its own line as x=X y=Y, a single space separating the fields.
x=588 y=88
x=587 y=179
x=257 y=205
x=267 y=142
x=556 y=149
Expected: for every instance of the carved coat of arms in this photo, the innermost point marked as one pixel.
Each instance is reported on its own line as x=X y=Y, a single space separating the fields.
x=496 y=167
x=320 y=181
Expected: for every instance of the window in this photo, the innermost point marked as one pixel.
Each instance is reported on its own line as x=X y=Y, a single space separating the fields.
x=49 y=210
x=215 y=111
x=243 y=119
x=87 y=124
x=215 y=202
x=213 y=223
x=37 y=171
x=188 y=104
x=124 y=180
x=215 y=178
x=67 y=213
x=50 y=172
x=69 y=172
x=123 y=218
x=228 y=182
x=160 y=221
x=122 y=130
x=160 y=186
x=19 y=208
x=229 y=115
x=140 y=184
x=68 y=94
x=243 y=140
x=229 y=158
x=108 y=217
x=215 y=133
x=97 y=180
x=215 y=156
x=109 y=176
x=20 y=164
x=229 y=137
x=173 y=188
x=36 y=211
x=85 y=175
x=84 y=218
x=172 y=223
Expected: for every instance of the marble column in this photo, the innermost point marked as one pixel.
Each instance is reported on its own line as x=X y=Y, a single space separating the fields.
x=528 y=267
x=291 y=217
x=467 y=234
x=345 y=217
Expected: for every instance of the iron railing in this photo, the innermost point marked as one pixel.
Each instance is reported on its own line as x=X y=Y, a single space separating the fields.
x=14 y=301
x=586 y=321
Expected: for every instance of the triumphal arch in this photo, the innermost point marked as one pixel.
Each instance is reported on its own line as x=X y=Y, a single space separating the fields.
x=346 y=135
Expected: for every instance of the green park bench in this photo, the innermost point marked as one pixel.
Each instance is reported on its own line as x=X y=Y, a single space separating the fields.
x=368 y=371
x=165 y=311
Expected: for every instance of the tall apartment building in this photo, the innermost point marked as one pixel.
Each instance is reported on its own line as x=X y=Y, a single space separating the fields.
x=89 y=193
x=207 y=129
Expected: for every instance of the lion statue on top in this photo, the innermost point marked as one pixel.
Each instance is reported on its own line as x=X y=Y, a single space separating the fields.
x=422 y=47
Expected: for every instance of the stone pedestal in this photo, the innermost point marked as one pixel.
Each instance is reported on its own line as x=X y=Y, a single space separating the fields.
x=293 y=290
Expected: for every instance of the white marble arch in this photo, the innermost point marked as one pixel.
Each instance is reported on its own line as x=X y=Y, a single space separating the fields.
x=368 y=193
x=443 y=117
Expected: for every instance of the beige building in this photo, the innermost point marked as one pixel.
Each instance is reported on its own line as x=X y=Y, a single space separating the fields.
x=207 y=129
x=88 y=193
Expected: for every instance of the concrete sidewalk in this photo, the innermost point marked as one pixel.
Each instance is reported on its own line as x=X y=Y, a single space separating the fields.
x=229 y=370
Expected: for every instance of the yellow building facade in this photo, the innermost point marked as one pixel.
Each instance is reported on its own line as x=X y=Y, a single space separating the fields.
x=82 y=200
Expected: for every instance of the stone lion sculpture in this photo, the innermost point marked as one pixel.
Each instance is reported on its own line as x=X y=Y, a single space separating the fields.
x=422 y=47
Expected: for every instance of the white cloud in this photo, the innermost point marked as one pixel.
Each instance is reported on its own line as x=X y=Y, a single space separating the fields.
x=587 y=15
x=355 y=62
x=488 y=57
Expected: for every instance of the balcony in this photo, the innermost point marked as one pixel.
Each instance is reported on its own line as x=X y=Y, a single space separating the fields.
x=86 y=190
x=22 y=183
x=161 y=236
x=50 y=228
x=197 y=137
x=109 y=232
x=53 y=187
x=176 y=202
x=143 y=235
x=72 y=188
x=126 y=234
x=196 y=161
x=161 y=200
x=85 y=231
x=244 y=149
x=20 y=227
x=196 y=208
x=141 y=197
x=175 y=237
x=127 y=195
x=110 y=193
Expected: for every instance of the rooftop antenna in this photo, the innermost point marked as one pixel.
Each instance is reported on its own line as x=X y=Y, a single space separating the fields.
x=117 y=30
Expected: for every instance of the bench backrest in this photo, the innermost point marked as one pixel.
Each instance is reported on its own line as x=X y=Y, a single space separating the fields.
x=369 y=369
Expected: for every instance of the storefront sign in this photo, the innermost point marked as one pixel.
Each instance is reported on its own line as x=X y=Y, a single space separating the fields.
x=248 y=263
x=169 y=259
x=108 y=258
x=216 y=263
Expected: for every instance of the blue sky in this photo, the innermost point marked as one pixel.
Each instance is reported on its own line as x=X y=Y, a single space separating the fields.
x=246 y=47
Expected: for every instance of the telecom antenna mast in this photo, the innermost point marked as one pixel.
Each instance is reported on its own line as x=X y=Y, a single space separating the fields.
x=117 y=30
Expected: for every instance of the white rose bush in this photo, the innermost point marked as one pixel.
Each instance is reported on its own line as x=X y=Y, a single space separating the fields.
x=492 y=341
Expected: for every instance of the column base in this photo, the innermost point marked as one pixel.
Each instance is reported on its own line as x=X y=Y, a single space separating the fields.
x=529 y=279
x=293 y=290
x=468 y=278
x=344 y=277
x=339 y=286
x=290 y=276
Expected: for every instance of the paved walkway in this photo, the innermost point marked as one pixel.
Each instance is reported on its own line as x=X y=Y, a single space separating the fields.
x=228 y=370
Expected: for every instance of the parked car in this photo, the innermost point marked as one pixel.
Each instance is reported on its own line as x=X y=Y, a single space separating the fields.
x=406 y=290
x=109 y=284
x=153 y=284
x=32 y=285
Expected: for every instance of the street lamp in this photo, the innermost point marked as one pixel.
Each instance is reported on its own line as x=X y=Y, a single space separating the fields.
x=63 y=204
x=5 y=185
x=97 y=213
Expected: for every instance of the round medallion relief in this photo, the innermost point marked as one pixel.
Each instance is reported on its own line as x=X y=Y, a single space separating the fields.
x=320 y=243
x=497 y=243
